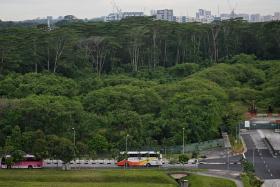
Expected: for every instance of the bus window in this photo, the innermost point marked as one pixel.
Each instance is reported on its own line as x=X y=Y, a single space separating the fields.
x=31 y=159
x=154 y=155
x=133 y=155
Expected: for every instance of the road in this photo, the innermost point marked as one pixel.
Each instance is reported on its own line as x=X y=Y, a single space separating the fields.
x=266 y=166
x=222 y=163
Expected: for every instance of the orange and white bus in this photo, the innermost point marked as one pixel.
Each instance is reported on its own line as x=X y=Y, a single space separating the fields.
x=140 y=158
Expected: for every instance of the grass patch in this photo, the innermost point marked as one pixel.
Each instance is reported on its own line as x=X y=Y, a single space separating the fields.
x=237 y=146
x=85 y=178
x=205 y=181
x=65 y=184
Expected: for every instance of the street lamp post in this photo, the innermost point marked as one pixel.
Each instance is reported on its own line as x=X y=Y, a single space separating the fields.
x=254 y=157
x=239 y=131
x=126 y=142
x=74 y=141
x=183 y=141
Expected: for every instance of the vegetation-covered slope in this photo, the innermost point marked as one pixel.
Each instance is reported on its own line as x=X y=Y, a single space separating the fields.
x=138 y=77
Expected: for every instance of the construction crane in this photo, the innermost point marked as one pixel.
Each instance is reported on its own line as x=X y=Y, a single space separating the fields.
x=117 y=8
x=232 y=7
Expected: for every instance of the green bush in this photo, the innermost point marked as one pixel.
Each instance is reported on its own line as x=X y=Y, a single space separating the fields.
x=248 y=167
x=184 y=70
x=183 y=158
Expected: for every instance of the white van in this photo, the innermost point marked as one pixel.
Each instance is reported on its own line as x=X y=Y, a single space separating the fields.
x=193 y=161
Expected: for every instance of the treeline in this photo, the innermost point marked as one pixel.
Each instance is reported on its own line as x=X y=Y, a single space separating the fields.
x=130 y=45
x=144 y=78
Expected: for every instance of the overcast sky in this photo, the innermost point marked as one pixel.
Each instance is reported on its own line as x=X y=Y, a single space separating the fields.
x=29 y=9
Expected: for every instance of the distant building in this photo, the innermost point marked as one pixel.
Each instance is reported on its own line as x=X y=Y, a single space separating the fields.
x=216 y=18
x=69 y=17
x=204 y=16
x=60 y=18
x=225 y=16
x=182 y=19
x=245 y=17
x=276 y=16
x=165 y=15
x=267 y=18
x=255 y=18
x=122 y=15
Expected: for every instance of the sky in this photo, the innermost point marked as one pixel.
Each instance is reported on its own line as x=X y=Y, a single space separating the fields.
x=29 y=9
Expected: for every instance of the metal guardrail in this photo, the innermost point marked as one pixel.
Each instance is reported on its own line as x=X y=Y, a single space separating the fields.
x=194 y=147
x=266 y=140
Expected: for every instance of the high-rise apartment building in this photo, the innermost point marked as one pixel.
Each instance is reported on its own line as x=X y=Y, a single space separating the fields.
x=122 y=15
x=276 y=16
x=165 y=15
x=255 y=18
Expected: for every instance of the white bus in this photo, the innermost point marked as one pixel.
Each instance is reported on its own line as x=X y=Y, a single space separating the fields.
x=140 y=158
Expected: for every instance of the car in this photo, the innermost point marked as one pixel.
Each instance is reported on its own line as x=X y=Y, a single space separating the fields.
x=193 y=161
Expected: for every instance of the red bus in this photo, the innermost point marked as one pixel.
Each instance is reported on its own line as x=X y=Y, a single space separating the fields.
x=28 y=162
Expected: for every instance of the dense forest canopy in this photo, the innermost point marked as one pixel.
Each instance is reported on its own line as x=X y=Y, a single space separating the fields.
x=145 y=78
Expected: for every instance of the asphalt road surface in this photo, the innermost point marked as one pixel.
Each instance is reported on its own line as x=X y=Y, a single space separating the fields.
x=266 y=166
x=222 y=163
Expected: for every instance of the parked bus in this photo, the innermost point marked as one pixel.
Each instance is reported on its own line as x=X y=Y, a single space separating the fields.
x=28 y=162
x=140 y=158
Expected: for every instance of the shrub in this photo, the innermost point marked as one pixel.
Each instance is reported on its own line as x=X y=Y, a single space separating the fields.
x=183 y=158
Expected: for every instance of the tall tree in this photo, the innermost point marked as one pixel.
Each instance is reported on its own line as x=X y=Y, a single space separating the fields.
x=135 y=43
x=98 y=49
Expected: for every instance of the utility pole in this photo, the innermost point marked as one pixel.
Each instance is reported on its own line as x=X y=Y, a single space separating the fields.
x=74 y=141
x=236 y=134
x=254 y=157
x=126 y=164
x=183 y=151
x=126 y=142
x=228 y=158
x=239 y=131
